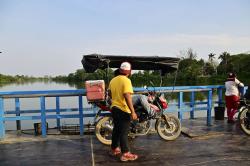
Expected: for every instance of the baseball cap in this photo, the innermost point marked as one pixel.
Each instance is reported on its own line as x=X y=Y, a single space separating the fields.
x=125 y=68
x=231 y=75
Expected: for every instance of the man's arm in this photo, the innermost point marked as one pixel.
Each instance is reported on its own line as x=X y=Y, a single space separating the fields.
x=239 y=83
x=128 y=99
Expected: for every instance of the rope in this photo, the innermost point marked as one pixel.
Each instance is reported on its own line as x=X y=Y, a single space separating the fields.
x=175 y=78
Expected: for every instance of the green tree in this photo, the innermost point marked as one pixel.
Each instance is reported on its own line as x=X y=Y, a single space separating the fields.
x=190 y=70
x=191 y=54
x=211 y=57
x=209 y=69
x=225 y=65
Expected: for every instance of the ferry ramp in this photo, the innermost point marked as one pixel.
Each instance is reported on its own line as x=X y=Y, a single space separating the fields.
x=221 y=144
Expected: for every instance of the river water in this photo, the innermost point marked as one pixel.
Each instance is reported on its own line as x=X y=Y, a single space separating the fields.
x=65 y=102
x=34 y=103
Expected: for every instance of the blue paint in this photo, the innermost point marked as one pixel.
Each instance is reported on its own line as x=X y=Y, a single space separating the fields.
x=46 y=93
x=209 y=107
x=181 y=106
x=43 y=116
x=81 y=115
x=192 y=105
x=180 y=103
x=2 y=127
x=17 y=104
x=220 y=100
x=58 y=112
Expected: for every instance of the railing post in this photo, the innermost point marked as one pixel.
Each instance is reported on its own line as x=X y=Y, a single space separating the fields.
x=219 y=96
x=192 y=105
x=58 y=122
x=2 y=125
x=209 y=107
x=43 y=116
x=18 y=123
x=81 y=115
x=180 y=103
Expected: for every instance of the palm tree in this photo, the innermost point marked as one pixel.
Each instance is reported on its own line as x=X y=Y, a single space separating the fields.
x=224 y=59
x=191 y=54
x=211 y=60
x=211 y=57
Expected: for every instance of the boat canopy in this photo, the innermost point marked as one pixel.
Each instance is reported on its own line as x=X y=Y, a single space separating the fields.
x=93 y=62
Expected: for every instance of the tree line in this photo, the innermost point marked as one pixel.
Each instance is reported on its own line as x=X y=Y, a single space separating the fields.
x=7 y=79
x=191 y=71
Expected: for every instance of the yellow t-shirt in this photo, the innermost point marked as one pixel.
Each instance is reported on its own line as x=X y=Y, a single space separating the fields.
x=118 y=86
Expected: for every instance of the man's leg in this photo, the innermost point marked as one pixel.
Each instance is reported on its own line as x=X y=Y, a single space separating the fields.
x=124 y=129
x=235 y=100
x=229 y=106
x=116 y=132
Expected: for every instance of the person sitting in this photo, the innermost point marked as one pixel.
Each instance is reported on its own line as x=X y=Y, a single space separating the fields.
x=140 y=100
x=232 y=95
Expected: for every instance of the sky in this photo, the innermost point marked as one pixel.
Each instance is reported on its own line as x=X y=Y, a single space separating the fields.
x=49 y=37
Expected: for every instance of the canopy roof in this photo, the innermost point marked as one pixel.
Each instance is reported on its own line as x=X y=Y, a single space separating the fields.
x=93 y=62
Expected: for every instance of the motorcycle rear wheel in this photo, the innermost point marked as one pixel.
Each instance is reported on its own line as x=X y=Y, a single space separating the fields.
x=103 y=130
x=244 y=120
x=168 y=127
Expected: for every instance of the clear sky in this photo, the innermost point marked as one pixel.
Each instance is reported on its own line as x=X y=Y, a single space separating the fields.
x=49 y=37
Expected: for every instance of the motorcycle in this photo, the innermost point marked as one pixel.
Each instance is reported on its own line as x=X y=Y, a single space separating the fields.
x=244 y=116
x=167 y=126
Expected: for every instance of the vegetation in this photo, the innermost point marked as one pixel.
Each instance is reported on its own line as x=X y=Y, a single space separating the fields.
x=7 y=79
x=192 y=71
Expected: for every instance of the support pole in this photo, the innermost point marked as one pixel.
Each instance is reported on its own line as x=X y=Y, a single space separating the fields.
x=18 y=122
x=192 y=102
x=209 y=107
x=220 y=101
x=58 y=113
x=81 y=115
x=2 y=125
x=43 y=116
x=180 y=104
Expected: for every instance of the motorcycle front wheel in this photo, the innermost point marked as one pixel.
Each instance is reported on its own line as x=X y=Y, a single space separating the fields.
x=103 y=130
x=244 y=118
x=168 y=127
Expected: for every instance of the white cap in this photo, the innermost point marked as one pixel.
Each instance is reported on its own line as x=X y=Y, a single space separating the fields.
x=125 y=68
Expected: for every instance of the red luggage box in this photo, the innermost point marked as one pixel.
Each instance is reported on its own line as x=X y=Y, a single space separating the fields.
x=95 y=90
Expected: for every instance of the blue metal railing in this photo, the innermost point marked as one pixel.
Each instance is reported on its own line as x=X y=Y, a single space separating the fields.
x=181 y=105
x=42 y=95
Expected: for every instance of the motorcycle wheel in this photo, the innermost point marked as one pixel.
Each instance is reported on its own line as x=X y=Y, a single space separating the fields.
x=245 y=120
x=103 y=130
x=168 y=127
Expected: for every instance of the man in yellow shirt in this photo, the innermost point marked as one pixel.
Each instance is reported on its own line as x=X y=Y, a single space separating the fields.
x=121 y=90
